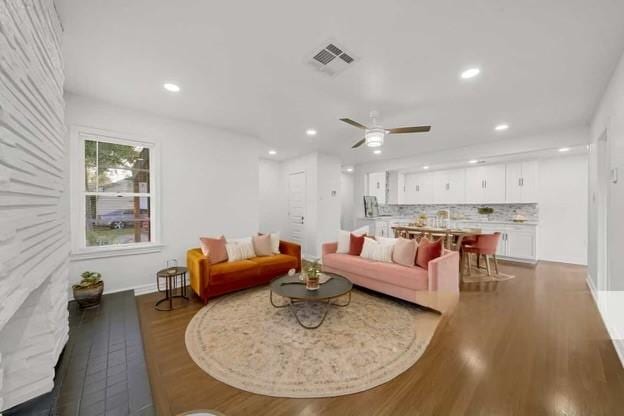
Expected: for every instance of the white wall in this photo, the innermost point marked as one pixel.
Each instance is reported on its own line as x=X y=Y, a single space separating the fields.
x=562 y=204
x=606 y=271
x=34 y=230
x=209 y=186
x=323 y=201
x=329 y=205
x=347 y=220
x=271 y=207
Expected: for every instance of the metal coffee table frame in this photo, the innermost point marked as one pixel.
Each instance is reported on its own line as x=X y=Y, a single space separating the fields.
x=327 y=302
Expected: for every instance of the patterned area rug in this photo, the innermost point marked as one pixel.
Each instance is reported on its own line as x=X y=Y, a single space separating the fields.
x=243 y=341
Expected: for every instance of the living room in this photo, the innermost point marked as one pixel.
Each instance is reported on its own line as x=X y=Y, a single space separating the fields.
x=311 y=208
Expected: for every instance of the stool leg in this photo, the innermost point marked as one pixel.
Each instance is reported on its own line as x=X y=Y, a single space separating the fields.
x=487 y=264
x=495 y=263
x=469 y=264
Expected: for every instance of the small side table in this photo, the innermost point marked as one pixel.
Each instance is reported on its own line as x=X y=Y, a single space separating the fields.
x=171 y=275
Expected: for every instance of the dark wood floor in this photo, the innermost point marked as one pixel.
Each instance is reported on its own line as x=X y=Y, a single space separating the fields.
x=534 y=345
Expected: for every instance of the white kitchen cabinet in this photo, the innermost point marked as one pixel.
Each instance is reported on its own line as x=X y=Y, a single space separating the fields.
x=485 y=184
x=517 y=242
x=419 y=188
x=521 y=182
x=449 y=186
x=376 y=186
x=520 y=244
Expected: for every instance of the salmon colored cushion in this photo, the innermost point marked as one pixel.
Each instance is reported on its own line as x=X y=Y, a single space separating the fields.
x=404 y=252
x=356 y=242
x=262 y=245
x=214 y=248
x=427 y=251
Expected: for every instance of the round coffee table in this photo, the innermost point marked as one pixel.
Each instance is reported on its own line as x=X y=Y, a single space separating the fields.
x=294 y=289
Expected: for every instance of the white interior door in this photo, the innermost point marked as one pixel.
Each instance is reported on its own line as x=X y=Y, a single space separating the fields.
x=296 y=207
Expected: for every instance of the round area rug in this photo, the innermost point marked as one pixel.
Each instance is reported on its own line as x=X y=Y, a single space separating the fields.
x=243 y=341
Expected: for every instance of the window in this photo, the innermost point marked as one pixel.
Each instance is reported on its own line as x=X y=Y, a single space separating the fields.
x=114 y=181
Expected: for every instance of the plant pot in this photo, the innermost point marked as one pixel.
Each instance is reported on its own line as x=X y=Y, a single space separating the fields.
x=89 y=297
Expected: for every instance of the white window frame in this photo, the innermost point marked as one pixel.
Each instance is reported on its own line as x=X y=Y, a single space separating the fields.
x=79 y=135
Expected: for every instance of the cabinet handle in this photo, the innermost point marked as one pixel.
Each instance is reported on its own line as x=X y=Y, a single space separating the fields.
x=448 y=186
x=377 y=185
x=485 y=183
x=519 y=181
x=417 y=188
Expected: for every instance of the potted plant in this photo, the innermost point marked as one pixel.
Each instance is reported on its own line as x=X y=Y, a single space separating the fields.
x=312 y=271
x=88 y=292
x=486 y=211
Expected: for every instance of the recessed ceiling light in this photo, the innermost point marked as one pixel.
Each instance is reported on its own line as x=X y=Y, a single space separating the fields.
x=171 y=87
x=272 y=152
x=311 y=132
x=377 y=152
x=501 y=127
x=473 y=161
x=425 y=167
x=470 y=73
x=349 y=169
x=564 y=149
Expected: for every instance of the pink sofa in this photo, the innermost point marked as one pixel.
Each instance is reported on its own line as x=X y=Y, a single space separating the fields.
x=436 y=287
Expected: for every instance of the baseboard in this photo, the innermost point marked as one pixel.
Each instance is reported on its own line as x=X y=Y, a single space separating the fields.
x=603 y=310
x=145 y=289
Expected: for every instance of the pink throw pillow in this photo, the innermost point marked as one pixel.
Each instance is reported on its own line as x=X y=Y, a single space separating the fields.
x=262 y=245
x=214 y=248
x=427 y=251
x=404 y=252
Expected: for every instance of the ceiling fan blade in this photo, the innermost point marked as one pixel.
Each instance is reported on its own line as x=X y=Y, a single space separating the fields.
x=417 y=129
x=354 y=123
x=358 y=144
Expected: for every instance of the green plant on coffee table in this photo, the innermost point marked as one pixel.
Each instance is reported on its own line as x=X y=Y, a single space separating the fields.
x=312 y=268
x=89 y=279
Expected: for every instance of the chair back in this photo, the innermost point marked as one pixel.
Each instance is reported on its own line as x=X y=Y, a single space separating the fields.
x=486 y=243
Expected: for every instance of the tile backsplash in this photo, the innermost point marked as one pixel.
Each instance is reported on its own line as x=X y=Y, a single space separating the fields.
x=502 y=212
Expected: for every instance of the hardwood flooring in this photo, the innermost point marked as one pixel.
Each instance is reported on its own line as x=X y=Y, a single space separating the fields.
x=533 y=345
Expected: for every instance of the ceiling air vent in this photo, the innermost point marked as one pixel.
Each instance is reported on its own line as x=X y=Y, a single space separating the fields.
x=324 y=59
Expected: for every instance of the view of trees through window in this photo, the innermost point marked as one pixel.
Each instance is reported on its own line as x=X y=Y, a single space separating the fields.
x=117 y=193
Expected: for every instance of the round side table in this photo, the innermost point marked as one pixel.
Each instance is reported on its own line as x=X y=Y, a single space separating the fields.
x=171 y=275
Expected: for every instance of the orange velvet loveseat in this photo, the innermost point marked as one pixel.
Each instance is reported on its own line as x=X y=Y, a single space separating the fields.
x=211 y=280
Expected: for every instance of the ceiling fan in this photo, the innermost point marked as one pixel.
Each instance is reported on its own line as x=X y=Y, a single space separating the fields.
x=374 y=136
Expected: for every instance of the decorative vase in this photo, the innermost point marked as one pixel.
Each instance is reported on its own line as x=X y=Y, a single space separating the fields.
x=89 y=297
x=312 y=281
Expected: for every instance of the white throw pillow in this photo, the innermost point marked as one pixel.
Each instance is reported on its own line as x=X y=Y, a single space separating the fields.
x=374 y=250
x=275 y=241
x=234 y=252
x=386 y=240
x=344 y=241
x=245 y=246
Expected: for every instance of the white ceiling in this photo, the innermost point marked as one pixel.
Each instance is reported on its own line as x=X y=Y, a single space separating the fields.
x=241 y=66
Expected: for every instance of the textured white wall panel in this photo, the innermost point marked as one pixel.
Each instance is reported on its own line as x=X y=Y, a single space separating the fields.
x=34 y=236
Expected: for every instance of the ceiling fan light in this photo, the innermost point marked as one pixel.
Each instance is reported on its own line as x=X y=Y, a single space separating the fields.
x=375 y=137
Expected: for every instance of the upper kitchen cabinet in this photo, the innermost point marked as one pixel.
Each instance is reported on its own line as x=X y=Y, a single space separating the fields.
x=449 y=186
x=485 y=184
x=376 y=186
x=418 y=188
x=395 y=187
x=522 y=182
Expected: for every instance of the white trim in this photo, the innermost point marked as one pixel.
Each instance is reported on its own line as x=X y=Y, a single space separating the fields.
x=603 y=311
x=117 y=251
x=80 y=251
